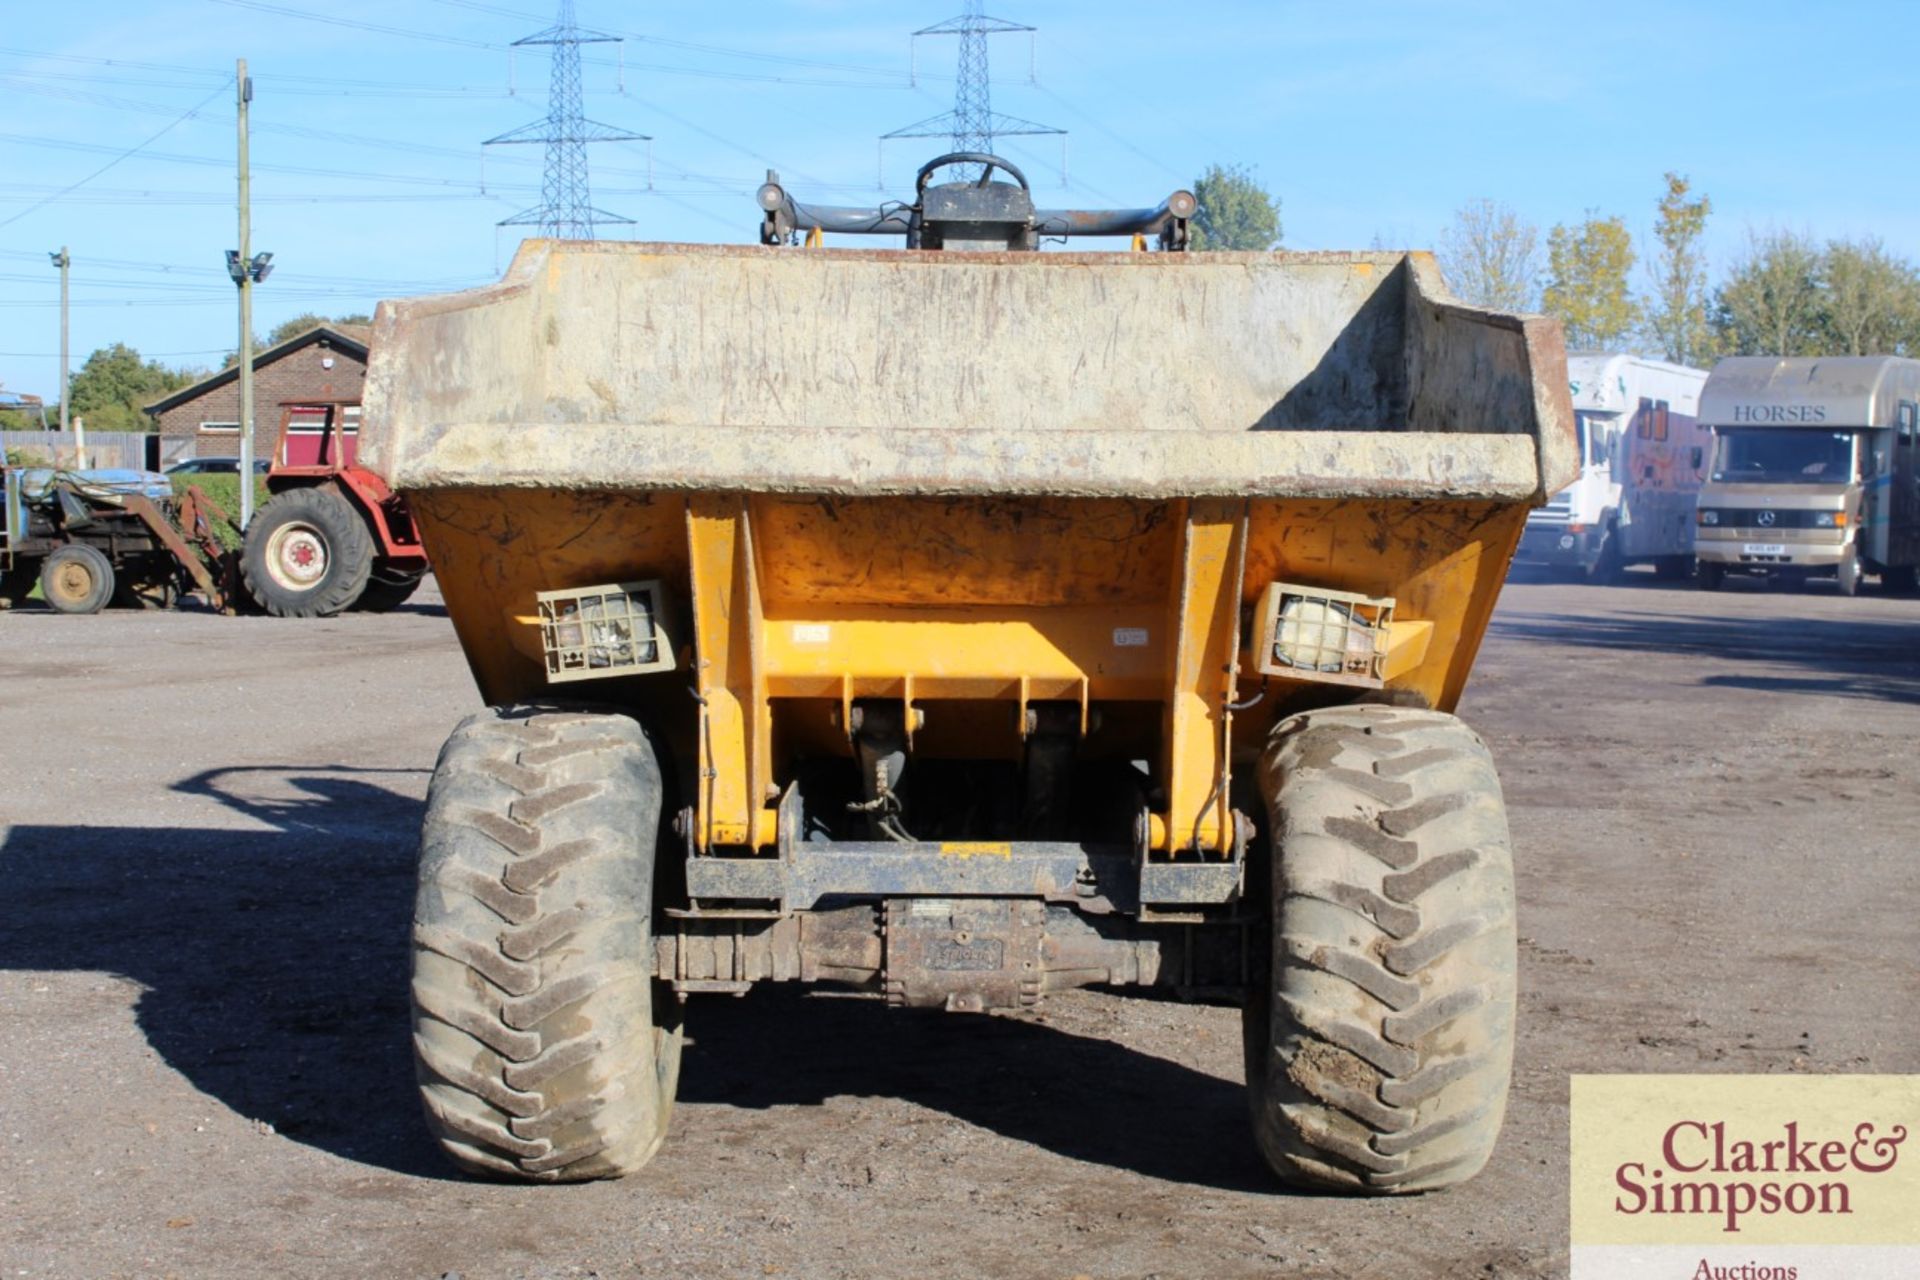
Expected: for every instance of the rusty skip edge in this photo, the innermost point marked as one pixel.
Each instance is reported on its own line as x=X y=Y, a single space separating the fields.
x=1158 y=464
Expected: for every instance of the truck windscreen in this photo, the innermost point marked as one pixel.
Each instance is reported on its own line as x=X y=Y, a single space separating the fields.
x=1782 y=455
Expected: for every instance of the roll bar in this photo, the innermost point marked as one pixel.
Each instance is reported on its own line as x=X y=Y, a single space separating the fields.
x=1004 y=208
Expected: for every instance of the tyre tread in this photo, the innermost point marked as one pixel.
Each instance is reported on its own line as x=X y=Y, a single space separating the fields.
x=542 y=1054
x=1380 y=1059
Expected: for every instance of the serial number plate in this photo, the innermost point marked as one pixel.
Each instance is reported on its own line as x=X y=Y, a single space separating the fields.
x=1764 y=549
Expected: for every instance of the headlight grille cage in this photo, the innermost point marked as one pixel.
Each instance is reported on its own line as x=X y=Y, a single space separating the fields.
x=614 y=629
x=1335 y=637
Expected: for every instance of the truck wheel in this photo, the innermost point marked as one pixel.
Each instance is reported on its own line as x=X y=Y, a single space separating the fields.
x=307 y=554
x=546 y=1051
x=76 y=578
x=1607 y=566
x=1903 y=580
x=1847 y=575
x=1380 y=1046
x=1712 y=576
x=388 y=591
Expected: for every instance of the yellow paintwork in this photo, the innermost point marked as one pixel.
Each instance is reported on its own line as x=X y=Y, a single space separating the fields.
x=1133 y=612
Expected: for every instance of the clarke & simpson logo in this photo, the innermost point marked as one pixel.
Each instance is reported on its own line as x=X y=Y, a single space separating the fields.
x=1745 y=1177
x=1701 y=1171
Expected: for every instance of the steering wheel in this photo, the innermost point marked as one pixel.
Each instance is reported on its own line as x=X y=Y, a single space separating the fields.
x=987 y=162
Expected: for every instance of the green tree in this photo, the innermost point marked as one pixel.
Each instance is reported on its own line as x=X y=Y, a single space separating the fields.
x=1491 y=257
x=1587 y=289
x=112 y=387
x=1770 y=304
x=299 y=324
x=1676 y=308
x=1870 y=301
x=1236 y=212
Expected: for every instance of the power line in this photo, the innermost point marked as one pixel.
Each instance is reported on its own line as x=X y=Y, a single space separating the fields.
x=340 y=86
x=665 y=42
x=732 y=182
x=117 y=159
x=116 y=62
x=144 y=355
x=224 y=162
x=334 y=20
x=1114 y=134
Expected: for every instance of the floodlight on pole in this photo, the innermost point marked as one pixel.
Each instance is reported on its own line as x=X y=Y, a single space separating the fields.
x=64 y=261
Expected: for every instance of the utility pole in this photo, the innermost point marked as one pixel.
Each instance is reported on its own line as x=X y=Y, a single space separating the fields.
x=244 y=95
x=63 y=260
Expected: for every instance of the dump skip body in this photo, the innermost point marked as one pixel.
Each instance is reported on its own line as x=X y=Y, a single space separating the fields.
x=961 y=477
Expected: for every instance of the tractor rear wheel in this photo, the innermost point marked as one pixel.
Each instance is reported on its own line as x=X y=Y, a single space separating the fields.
x=546 y=1050
x=77 y=578
x=1380 y=1046
x=307 y=554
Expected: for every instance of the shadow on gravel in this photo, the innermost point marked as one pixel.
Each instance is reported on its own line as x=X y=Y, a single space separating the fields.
x=273 y=962
x=1078 y=1096
x=1860 y=659
x=1639 y=579
x=274 y=967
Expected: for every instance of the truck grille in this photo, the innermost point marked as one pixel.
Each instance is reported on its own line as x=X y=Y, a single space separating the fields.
x=1749 y=518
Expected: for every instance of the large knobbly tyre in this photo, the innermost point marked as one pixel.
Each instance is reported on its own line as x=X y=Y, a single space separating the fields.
x=1379 y=1055
x=545 y=1049
x=307 y=554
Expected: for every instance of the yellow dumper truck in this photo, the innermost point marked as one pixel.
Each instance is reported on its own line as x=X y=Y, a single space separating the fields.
x=961 y=625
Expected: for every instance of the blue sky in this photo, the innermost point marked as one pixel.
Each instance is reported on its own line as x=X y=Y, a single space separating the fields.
x=1369 y=118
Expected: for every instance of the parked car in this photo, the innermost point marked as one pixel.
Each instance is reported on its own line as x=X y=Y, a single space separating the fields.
x=214 y=466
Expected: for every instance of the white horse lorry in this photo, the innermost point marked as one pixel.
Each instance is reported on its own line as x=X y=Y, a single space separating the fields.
x=1643 y=456
x=1816 y=470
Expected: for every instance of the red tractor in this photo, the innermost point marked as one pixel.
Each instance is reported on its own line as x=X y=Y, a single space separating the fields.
x=333 y=537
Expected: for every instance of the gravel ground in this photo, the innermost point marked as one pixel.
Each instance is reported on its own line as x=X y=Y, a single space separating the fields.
x=206 y=843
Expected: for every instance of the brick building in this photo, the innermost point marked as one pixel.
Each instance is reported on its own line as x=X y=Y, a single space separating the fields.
x=306 y=378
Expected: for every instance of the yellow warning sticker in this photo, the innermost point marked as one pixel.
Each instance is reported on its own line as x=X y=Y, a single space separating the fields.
x=976 y=849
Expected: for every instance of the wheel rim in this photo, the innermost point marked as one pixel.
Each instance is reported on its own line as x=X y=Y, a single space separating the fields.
x=73 y=582
x=297 y=556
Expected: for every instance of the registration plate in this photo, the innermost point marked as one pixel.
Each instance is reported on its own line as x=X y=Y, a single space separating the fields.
x=1764 y=549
